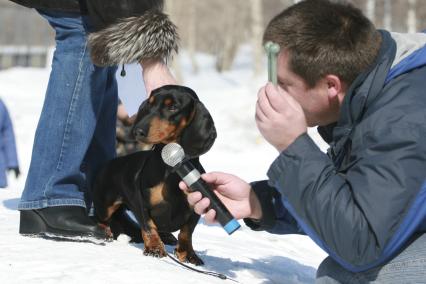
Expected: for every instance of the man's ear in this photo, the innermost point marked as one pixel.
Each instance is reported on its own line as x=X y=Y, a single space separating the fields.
x=335 y=88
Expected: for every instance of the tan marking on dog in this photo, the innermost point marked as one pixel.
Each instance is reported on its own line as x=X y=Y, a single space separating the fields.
x=156 y=194
x=184 y=245
x=107 y=230
x=161 y=131
x=182 y=124
x=152 y=241
x=151 y=99
x=111 y=209
x=168 y=102
x=184 y=250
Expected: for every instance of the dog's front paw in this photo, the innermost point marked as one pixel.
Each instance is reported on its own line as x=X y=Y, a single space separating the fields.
x=108 y=233
x=191 y=257
x=157 y=251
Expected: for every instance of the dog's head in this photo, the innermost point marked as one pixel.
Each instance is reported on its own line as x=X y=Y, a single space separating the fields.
x=174 y=113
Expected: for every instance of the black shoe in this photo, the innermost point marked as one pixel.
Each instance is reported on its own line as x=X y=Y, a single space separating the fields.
x=60 y=222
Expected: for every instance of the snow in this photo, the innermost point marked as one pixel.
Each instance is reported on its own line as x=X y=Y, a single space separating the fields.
x=246 y=256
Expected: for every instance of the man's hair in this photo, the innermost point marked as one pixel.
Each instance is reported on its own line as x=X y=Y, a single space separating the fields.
x=325 y=37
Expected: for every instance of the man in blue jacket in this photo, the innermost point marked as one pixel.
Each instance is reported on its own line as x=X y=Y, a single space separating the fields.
x=8 y=153
x=364 y=201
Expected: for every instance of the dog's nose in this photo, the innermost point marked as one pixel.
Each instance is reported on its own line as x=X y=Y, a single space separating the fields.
x=139 y=132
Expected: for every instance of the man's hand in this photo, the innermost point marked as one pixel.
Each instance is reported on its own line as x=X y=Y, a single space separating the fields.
x=279 y=117
x=156 y=74
x=235 y=194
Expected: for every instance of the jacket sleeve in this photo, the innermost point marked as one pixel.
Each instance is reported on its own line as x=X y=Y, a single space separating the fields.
x=353 y=214
x=275 y=217
x=8 y=139
x=130 y=31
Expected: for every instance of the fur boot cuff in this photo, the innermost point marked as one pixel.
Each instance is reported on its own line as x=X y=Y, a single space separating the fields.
x=149 y=36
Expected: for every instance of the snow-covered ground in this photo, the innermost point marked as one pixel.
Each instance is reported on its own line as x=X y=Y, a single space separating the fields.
x=246 y=256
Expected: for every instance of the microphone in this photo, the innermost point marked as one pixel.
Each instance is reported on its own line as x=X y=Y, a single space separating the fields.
x=173 y=155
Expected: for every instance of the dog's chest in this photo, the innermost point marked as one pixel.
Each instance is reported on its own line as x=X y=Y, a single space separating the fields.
x=168 y=206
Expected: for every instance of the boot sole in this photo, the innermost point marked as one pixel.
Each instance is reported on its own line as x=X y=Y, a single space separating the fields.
x=32 y=224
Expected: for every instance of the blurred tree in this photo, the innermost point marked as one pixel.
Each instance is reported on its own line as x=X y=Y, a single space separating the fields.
x=257 y=33
x=387 y=21
x=411 y=17
x=232 y=20
x=421 y=16
x=371 y=10
x=171 y=10
x=217 y=27
x=192 y=34
x=23 y=26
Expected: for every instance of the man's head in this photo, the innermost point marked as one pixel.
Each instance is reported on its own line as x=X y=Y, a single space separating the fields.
x=324 y=47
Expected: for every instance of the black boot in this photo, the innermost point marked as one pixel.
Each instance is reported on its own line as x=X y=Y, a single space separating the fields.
x=60 y=221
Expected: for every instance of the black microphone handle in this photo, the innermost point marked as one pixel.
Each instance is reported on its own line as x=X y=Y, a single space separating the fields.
x=222 y=213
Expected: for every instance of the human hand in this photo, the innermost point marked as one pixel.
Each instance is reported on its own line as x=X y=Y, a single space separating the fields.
x=235 y=194
x=156 y=74
x=279 y=117
x=16 y=171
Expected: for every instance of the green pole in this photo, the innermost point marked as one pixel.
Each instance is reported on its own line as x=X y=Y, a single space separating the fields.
x=272 y=49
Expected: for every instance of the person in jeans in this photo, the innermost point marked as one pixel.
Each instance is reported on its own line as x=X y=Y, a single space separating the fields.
x=8 y=153
x=124 y=144
x=76 y=131
x=364 y=201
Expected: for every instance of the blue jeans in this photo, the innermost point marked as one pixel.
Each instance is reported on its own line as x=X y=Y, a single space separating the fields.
x=407 y=267
x=76 y=130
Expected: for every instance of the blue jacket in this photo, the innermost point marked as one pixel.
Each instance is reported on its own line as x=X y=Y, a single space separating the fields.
x=364 y=199
x=8 y=156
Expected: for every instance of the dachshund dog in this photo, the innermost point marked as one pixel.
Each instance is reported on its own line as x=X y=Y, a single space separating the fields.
x=144 y=184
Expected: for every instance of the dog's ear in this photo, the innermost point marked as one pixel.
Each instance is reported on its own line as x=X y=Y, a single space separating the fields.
x=198 y=137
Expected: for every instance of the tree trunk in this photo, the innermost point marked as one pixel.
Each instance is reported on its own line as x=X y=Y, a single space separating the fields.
x=169 y=8
x=257 y=32
x=387 y=21
x=192 y=34
x=371 y=10
x=411 y=17
x=231 y=35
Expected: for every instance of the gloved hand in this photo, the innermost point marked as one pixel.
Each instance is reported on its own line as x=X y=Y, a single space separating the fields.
x=16 y=171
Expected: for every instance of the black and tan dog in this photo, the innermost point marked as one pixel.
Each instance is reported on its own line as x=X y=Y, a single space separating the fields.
x=142 y=182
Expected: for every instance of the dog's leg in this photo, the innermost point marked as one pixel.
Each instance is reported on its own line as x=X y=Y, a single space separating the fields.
x=152 y=241
x=103 y=214
x=122 y=223
x=184 y=250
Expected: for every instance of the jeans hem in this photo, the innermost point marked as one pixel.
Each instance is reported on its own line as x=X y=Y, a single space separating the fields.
x=39 y=204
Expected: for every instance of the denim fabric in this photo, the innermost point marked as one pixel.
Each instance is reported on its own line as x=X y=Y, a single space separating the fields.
x=76 y=129
x=407 y=267
x=8 y=153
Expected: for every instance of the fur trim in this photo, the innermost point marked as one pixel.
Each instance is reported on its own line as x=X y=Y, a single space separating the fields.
x=149 y=36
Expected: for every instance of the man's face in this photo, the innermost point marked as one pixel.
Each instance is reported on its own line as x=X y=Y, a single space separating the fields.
x=315 y=102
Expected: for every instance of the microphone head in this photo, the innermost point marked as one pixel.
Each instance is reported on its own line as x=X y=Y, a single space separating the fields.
x=172 y=154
